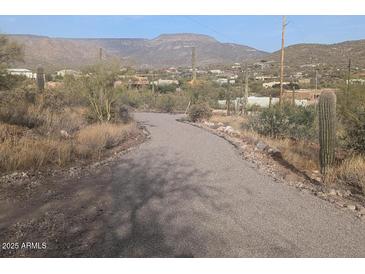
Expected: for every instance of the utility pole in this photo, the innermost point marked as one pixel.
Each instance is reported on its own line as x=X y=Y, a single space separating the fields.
x=348 y=81
x=193 y=64
x=282 y=59
x=316 y=80
x=245 y=97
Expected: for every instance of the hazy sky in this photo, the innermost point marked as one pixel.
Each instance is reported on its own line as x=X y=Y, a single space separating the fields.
x=261 y=32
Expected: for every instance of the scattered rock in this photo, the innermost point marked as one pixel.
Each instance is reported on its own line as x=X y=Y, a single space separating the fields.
x=274 y=152
x=220 y=124
x=221 y=128
x=351 y=207
x=261 y=146
x=64 y=134
x=361 y=210
x=229 y=130
x=209 y=124
x=333 y=192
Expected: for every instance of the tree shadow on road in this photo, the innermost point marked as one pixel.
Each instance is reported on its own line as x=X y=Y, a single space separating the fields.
x=136 y=208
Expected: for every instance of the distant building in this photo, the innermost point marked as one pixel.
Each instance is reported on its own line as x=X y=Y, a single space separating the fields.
x=222 y=81
x=171 y=70
x=304 y=81
x=265 y=78
x=162 y=82
x=65 y=72
x=216 y=71
x=22 y=72
x=272 y=84
x=139 y=82
x=356 y=81
x=54 y=85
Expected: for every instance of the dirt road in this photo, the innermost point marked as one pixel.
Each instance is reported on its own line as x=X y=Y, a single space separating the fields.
x=183 y=193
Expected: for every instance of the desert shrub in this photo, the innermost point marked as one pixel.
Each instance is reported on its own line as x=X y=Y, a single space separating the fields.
x=286 y=121
x=350 y=172
x=351 y=110
x=167 y=88
x=30 y=153
x=131 y=98
x=11 y=132
x=69 y=119
x=166 y=103
x=14 y=108
x=93 y=139
x=199 y=112
x=122 y=113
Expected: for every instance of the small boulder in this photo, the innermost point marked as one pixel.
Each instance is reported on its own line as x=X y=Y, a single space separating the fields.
x=351 y=207
x=229 y=130
x=261 y=146
x=209 y=124
x=64 y=134
x=333 y=192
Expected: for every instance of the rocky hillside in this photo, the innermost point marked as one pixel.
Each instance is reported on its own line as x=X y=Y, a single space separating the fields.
x=163 y=51
x=335 y=55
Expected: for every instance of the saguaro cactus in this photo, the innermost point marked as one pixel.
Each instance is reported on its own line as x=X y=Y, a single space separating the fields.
x=327 y=129
x=40 y=79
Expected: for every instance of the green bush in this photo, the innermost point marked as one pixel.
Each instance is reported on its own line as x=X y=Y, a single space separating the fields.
x=354 y=126
x=199 y=111
x=166 y=103
x=289 y=121
x=351 y=112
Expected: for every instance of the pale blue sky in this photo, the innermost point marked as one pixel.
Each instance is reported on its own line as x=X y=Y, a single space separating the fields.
x=261 y=32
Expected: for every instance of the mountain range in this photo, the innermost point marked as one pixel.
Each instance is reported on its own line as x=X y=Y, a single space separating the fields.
x=164 y=51
x=175 y=50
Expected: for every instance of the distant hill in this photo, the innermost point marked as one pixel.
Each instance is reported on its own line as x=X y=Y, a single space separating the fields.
x=55 y=53
x=175 y=50
x=164 y=51
x=335 y=55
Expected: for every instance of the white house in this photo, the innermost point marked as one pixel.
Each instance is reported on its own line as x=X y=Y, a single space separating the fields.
x=216 y=71
x=64 y=72
x=161 y=82
x=271 y=84
x=222 y=81
x=22 y=72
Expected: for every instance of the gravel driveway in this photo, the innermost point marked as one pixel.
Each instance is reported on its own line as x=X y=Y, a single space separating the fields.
x=188 y=193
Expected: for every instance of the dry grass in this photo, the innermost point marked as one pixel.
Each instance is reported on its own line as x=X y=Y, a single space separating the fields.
x=28 y=153
x=93 y=139
x=233 y=121
x=301 y=154
x=350 y=172
x=21 y=149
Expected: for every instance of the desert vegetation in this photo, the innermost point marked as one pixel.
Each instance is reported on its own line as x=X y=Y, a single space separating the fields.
x=325 y=138
x=80 y=120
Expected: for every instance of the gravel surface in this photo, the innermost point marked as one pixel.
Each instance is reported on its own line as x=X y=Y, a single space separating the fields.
x=188 y=193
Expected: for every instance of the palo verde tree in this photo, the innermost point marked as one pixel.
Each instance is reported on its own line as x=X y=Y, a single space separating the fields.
x=98 y=88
